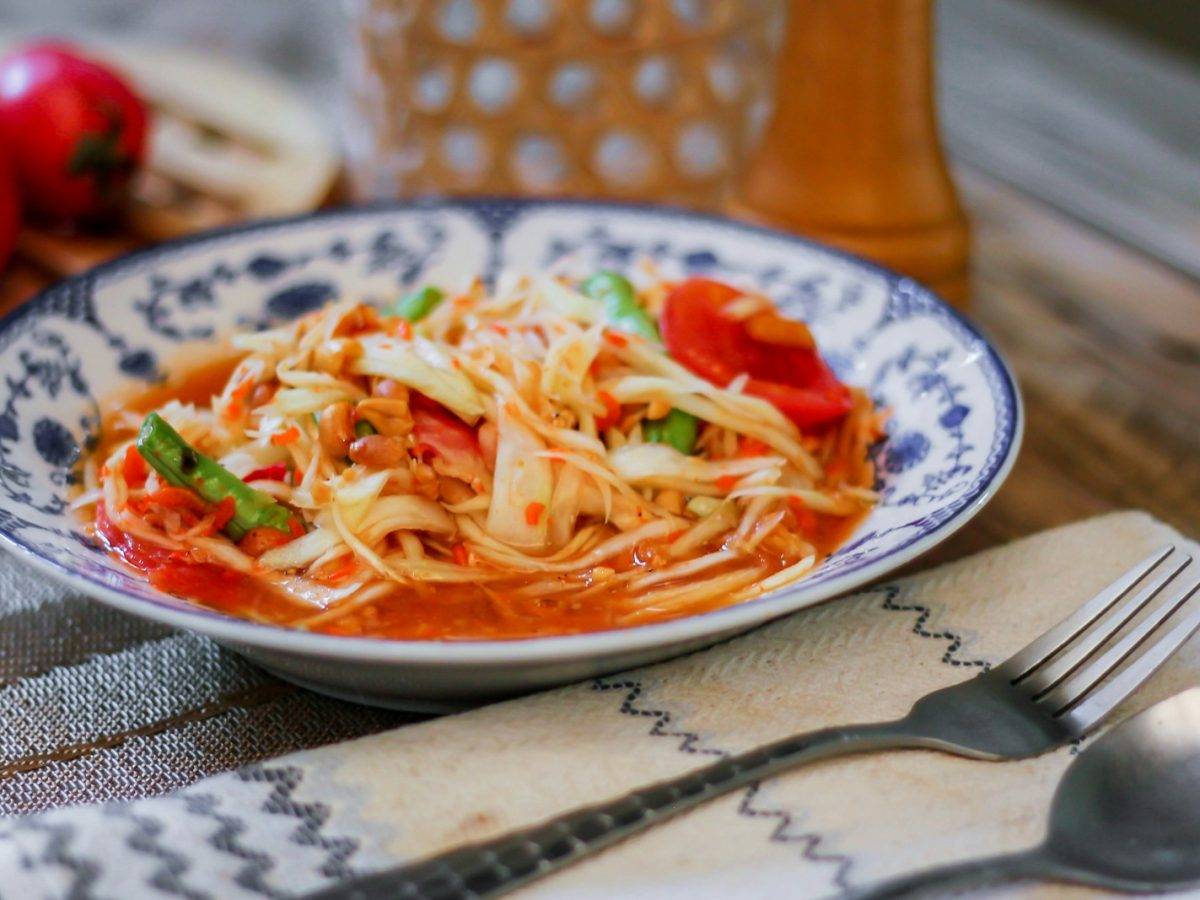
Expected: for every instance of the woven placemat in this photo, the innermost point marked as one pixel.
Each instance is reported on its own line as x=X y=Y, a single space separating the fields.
x=97 y=705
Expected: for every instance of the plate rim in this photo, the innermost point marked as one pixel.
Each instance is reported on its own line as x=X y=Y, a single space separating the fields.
x=551 y=648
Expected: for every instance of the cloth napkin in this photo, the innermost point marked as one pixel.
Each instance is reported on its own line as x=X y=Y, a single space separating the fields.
x=297 y=822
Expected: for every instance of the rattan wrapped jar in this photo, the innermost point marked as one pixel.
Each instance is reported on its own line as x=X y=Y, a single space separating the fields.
x=642 y=99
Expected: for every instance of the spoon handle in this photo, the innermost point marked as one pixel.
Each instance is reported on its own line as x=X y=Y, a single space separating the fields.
x=1026 y=865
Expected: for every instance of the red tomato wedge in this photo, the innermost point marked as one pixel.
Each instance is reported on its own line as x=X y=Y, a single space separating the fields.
x=138 y=553
x=445 y=441
x=718 y=348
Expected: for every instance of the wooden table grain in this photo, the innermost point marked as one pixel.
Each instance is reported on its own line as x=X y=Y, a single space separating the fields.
x=1086 y=258
x=1105 y=343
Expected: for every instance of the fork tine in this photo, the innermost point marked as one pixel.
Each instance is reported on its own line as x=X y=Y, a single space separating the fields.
x=1074 y=688
x=1038 y=651
x=1088 y=714
x=1076 y=653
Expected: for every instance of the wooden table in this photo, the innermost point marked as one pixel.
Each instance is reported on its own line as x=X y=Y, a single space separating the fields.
x=1087 y=257
x=1106 y=347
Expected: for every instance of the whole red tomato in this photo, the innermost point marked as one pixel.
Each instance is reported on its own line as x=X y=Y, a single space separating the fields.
x=10 y=210
x=75 y=132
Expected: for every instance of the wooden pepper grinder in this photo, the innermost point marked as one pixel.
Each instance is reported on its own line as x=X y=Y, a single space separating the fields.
x=852 y=155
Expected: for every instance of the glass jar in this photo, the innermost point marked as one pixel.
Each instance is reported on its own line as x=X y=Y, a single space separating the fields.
x=637 y=99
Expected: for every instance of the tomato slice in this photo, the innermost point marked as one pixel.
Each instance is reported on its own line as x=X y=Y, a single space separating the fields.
x=172 y=572
x=211 y=584
x=137 y=553
x=718 y=348
x=134 y=468
x=445 y=441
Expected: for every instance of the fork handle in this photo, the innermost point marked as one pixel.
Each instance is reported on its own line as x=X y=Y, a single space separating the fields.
x=495 y=867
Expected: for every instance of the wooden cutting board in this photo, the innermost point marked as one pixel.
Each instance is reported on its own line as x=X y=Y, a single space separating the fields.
x=228 y=143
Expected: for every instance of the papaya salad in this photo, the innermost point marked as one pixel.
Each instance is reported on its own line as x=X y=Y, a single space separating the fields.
x=545 y=457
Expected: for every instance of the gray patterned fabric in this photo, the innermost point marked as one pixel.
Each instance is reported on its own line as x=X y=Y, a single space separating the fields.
x=96 y=705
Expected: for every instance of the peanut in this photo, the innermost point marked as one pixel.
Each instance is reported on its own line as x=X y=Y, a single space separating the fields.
x=489 y=437
x=332 y=355
x=361 y=318
x=427 y=481
x=657 y=409
x=402 y=481
x=601 y=574
x=378 y=451
x=336 y=429
x=564 y=418
x=262 y=393
x=390 y=417
x=258 y=541
x=671 y=500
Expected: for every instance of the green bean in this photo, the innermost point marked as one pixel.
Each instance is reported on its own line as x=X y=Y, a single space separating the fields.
x=416 y=305
x=623 y=311
x=621 y=307
x=182 y=465
x=676 y=428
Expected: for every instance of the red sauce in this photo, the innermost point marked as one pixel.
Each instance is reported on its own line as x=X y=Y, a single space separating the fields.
x=196 y=385
x=463 y=612
x=450 y=612
x=210 y=585
x=447 y=612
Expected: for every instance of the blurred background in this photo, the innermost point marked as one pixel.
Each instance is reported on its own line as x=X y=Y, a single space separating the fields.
x=1074 y=101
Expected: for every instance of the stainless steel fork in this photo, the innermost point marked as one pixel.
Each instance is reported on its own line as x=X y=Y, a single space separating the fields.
x=1053 y=691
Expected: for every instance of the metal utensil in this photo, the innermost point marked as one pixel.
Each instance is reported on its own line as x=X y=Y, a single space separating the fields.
x=1126 y=816
x=1051 y=692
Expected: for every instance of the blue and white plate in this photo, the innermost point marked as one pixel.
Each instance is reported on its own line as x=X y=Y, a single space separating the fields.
x=953 y=434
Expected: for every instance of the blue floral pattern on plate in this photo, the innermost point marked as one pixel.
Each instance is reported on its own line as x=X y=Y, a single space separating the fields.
x=955 y=421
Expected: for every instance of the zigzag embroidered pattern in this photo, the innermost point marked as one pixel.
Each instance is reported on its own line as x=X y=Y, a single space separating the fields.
x=809 y=841
x=57 y=852
x=145 y=840
x=312 y=817
x=172 y=865
x=226 y=840
x=924 y=613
